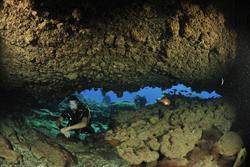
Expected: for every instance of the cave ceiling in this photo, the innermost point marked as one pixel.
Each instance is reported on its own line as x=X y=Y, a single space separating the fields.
x=52 y=48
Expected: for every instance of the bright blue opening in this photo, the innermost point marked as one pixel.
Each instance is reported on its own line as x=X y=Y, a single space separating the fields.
x=151 y=94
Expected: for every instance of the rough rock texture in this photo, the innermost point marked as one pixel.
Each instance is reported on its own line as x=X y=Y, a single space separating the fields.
x=191 y=124
x=207 y=162
x=222 y=118
x=55 y=154
x=6 y=151
x=46 y=51
x=136 y=152
x=229 y=144
x=37 y=150
x=177 y=143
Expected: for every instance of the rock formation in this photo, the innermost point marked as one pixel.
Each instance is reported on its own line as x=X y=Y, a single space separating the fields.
x=49 y=49
x=190 y=134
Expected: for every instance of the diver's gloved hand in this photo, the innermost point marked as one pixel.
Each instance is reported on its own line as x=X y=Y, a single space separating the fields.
x=65 y=131
x=67 y=134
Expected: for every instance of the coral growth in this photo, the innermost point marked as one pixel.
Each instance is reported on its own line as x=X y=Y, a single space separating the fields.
x=229 y=144
x=185 y=133
x=178 y=142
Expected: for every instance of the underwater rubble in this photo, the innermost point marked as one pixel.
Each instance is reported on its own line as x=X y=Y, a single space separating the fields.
x=193 y=133
x=190 y=133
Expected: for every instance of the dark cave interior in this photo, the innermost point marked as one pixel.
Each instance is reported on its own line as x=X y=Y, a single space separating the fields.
x=92 y=13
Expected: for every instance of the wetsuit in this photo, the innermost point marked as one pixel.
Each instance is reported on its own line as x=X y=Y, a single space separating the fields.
x=76 y=117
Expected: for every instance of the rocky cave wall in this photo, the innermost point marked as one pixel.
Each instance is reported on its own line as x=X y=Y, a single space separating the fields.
x=237 y=83
x=49 y=49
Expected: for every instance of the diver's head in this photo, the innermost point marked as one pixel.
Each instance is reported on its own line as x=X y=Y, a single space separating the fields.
x=73 y=102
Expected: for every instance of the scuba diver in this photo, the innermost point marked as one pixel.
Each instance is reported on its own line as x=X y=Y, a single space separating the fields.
x=106 y=100
x=140 y=101
x=78 y=116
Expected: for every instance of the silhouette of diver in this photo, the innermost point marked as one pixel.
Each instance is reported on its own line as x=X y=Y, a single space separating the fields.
x=78 y=116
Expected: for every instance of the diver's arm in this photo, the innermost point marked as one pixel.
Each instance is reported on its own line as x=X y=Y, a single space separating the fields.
x=80 y=125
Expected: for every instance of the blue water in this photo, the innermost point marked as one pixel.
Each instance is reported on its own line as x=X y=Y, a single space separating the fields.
x=151 y=94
